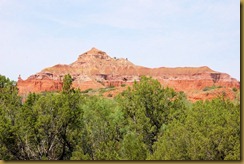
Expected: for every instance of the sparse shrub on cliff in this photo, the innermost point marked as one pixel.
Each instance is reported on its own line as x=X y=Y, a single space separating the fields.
x=111 y=86
x=234 y=89
x=110 y=95
x=87 y=90
x=224 y=94
x=99 y=81
x=211 y=88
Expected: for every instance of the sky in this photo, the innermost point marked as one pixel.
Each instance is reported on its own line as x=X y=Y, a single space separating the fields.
x=152 y=33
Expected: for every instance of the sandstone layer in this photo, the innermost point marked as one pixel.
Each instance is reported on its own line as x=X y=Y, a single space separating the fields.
x=95 y=69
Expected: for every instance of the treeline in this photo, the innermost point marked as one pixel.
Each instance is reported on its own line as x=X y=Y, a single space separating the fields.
x=145 y=122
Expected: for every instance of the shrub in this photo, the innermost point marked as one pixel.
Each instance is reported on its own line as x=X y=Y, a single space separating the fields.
x=211 y=88
x=110 y=95
x=234 y=89
x=87 y=90
x=111 y=86
x=100 y=82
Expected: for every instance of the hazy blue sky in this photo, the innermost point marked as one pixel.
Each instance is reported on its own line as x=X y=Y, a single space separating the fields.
x=35 y=34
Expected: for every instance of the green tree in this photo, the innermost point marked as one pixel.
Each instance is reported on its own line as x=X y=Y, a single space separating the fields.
x=148 y=108
x=67 y=83
x=52 y=134
x=211 y=131
x=45 y=127
x=146 y=121
x=101 y=136
x=31 y=99
x=10 y=103
x=132 y=147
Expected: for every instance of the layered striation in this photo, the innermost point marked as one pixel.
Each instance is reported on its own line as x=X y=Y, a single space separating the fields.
x=95 y=69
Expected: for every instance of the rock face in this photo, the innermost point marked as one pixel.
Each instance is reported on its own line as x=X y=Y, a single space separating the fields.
x=95 y=69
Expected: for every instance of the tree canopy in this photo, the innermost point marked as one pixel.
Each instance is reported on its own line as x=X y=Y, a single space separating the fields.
x=145 y=122
x=67 y=83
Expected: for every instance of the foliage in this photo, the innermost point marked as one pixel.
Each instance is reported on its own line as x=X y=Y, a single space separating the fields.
x=103 y=90
x=101 y=135
x=234 y=89
x=146 y=121
x=148 y=108
x=10 y=103
x=211 y=131
x=110 y=95
x=211 y=88
x=123 y=85
x=67 y=83
x=99 y=81
x=87 y=90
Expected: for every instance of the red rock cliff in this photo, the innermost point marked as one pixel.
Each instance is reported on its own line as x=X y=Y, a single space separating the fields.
x=95 y=69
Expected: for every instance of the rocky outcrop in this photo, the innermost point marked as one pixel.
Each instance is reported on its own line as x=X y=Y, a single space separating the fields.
x=95 y=69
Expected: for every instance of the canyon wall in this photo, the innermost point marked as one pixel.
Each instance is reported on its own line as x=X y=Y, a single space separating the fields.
x=95 y=69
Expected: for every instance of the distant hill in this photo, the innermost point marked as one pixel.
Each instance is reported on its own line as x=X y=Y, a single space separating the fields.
x=95 y=69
